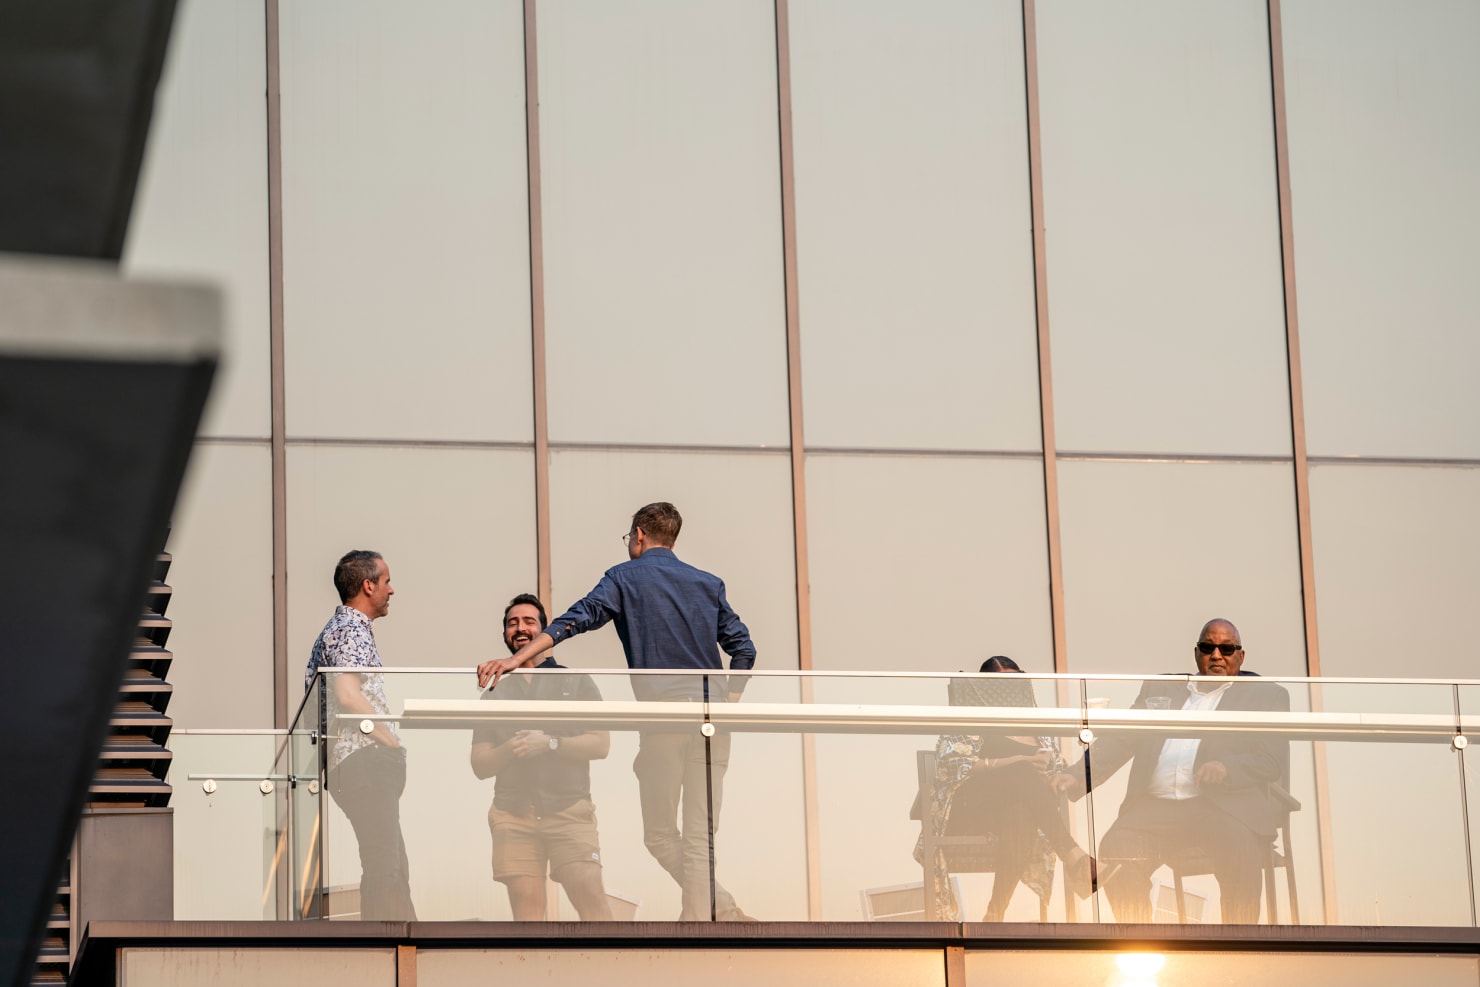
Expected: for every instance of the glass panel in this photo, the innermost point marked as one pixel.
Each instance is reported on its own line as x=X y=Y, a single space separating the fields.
x=664 y=294
x=882 y=746
x=302 y=816
x=1382 y=99
x=406 y=222
x=1400 y=858
x=445 y=810
x=914 y=236
x=1376 y=761
x=226 y=839
x=826 y=767
x=1153 y=550
x=1394 y=551
x=968 y=560
x=1182 y=968
x=221 y=574
x=200 y=211
x=1166 y=293
x=441 y=518
x=761 y=855
x=1161 y=812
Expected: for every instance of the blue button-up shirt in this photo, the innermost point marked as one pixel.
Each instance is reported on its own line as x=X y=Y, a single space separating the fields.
x=668 y=614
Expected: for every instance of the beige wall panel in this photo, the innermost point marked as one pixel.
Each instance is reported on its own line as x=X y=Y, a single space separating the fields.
x=720 y=967
x=200 y=211
x=221 y=574
x=453 y=524
x=228 y=966
x=1000 y=968
x=406 y=227
x=1165 y=286
x=1384 y=108
x=901 y=544
x=1154 y=550
x=738 y=525
x=1395 y=551
x=664 y=294
x=913 y=227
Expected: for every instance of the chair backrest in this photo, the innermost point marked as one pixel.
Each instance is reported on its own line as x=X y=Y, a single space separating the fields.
x=1001 y=689
x=925 y=774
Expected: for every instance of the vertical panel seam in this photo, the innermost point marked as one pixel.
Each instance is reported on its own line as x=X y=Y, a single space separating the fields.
x=955 y=966
x=543 y=575
x=405 y=966
x=793 y=333
x=1292 y=338
x=1045 y=355
x=1275 y=21
x=276 y=362
x=812 y=833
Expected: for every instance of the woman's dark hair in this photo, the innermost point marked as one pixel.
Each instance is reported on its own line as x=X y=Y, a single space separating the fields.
x=1000 y=663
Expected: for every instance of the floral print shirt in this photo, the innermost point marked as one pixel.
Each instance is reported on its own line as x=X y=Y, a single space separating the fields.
x=347 y=641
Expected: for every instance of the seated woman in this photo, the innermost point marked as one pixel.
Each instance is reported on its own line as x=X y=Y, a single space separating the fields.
x=999 y=784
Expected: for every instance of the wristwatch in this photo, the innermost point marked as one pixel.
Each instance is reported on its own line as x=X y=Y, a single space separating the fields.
x=554 y=743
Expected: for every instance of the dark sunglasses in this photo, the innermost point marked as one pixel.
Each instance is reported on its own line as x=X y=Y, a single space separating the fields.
x=1228 y=650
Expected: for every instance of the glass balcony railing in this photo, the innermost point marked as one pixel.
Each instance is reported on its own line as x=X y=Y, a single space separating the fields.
x=228 y=793
x=852 y=797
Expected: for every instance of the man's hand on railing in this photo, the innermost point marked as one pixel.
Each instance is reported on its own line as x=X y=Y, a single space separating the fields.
x=491 y=670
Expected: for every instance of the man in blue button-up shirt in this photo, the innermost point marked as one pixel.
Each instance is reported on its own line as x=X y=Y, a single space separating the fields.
x=671 y=615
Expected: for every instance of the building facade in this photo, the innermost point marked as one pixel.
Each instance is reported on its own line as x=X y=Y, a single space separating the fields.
x=1035 y=328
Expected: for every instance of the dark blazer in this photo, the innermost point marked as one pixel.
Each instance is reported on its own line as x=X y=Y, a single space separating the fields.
x=1253 y=760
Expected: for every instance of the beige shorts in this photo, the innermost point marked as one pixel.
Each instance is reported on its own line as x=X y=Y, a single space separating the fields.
x=528 y=846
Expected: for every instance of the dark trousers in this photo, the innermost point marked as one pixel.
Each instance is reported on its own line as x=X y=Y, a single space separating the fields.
x=367 y=785
x=671 y=783
x=1152 y=831
x=1013 y=803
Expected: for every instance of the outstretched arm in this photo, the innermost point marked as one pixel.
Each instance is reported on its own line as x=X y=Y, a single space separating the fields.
x=595 y=609
x=494 y=668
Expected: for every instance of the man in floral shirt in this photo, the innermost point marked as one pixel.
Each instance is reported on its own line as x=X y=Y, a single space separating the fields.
x=367 y=772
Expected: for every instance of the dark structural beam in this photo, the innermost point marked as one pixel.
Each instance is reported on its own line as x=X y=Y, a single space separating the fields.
x=102 y=383
x=77 y=81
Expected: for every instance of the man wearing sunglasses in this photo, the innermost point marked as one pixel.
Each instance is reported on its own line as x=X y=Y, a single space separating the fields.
x=1185 y=796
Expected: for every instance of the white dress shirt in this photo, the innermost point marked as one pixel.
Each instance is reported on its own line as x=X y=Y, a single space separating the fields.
x=1173 y=776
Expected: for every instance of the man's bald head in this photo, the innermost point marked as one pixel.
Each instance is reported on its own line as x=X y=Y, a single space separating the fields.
x=1227 y=625
x=1219 y=649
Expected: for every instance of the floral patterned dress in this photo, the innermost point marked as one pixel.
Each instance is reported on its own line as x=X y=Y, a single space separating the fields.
x=954 y=754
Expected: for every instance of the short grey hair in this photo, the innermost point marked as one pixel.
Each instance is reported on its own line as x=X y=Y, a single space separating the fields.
x=352 y=571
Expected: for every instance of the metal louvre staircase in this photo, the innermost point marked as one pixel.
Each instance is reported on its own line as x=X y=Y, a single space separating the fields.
x=134 y=761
